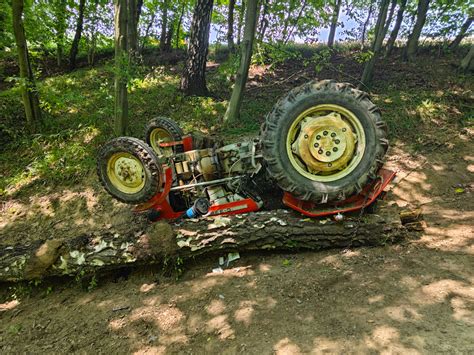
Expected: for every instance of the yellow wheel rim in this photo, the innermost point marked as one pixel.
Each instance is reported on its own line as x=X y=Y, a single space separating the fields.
x=126 y=173
x=326 y=142
x=158 y=136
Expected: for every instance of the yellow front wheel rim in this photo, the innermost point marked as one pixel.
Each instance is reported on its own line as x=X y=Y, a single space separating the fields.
x=158 y=136
x=126 y=173
x=326 y=142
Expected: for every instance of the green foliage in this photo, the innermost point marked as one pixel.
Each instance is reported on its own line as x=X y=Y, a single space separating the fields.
x=25 y=289
x=15 y=329
x=363 y=56
x=274 y=54
x=320 y=59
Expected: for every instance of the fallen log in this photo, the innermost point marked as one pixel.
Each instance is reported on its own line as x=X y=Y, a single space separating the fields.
x=154 y=243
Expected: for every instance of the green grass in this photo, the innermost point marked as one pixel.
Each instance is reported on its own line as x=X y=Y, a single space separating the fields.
x=78 y=115
x=78 y=118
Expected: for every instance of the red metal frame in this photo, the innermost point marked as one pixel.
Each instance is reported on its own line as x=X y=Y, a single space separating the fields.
x=186 y=142
x=245 y=205
x=368 y=195
x=161 y=196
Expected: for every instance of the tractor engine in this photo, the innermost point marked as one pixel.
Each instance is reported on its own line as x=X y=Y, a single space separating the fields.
x=218 y=174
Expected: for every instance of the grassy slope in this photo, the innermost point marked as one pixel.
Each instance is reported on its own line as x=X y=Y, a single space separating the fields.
x=419 y=101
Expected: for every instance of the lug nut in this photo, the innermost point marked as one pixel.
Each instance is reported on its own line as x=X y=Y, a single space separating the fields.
x=344 y=129
x=328 y=153
x=337 y=141
x=333 y=134
x=320 y=151
x=325 y=133
x=334 y=149
x=305 y=136
x=318 y=137
x=316 y=145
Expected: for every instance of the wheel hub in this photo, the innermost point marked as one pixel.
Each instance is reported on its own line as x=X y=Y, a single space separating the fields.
x=126 y=173
x=325 y=144
x=158 y=136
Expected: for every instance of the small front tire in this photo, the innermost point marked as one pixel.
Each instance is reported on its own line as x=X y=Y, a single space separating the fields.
x=129 y=170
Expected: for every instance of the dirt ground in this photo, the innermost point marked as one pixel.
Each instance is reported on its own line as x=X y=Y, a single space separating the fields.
x=415 y=297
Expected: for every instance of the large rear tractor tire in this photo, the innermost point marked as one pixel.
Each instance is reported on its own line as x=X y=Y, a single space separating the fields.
x=162 y=130
x=129 y=170
x=324 y=141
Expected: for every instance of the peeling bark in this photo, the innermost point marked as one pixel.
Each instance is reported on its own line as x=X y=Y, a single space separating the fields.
x=147 y=244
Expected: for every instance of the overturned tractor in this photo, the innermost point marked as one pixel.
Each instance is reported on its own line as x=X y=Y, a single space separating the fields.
x=322 y=146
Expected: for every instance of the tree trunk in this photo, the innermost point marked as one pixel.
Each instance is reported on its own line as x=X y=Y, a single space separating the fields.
x=389 y=19
x=412 y=44
x=93 y=32
x=263 y=21
x=164 y=25
x=147 y=31
x=60 y=29
x=233 y=110
x=366 y=23
x=467 y=64
x=289 y=33
x=396 y=28
x=178 y=27
x=462 y=33
x=169 y=37
x=376 y=46
x=194 y=77
x=145 y=245
x=28 y=87
x=241 y=21
x=122 y=59
x=135 y=8
x=77 y=36
x=335 y=17
x=286 y=22
x=230 y=27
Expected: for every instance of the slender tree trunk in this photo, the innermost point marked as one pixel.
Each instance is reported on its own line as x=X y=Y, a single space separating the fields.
x=335 y=17
x=194 y=77
x=396 y=28
x=28 y=88
x=147 y=30
x=377 y=44
x=164 y=25
x=412 y=44
x=366 y=23
x=93 y=32
x=60 y=29
x=133 y=14
x=295 y=23
x=263 y=21
x=230 y=27
x=178 y=27
x=122 y=59
x=241 y=21
x=233 y=110
x=467 y=64
x=389 y=18
x=288 y=17
x=169 y=37
x=462 y=33
x=77 y=36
